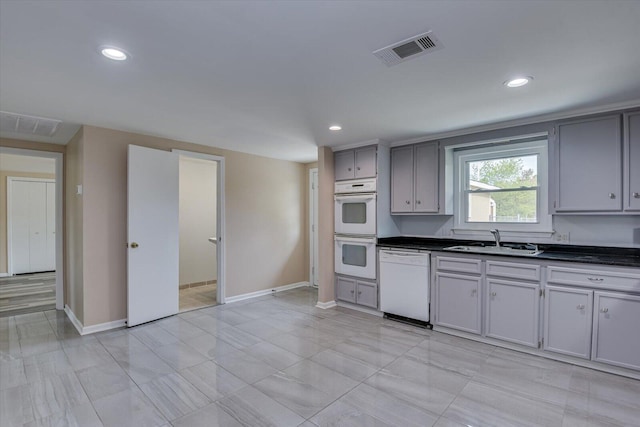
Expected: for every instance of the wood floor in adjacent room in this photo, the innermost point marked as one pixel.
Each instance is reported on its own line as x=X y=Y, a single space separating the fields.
x=198 y=297
x=27 y=293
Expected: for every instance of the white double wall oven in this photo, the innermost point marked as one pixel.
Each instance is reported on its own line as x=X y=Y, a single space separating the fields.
x=355 y=228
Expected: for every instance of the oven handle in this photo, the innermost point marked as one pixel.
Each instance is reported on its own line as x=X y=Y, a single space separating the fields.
x=341 y=239
x=363 y=197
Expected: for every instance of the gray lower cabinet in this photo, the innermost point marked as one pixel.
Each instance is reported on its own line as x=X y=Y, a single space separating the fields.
x=457 y=301
x=512 y=311
x=567 y=321
x=357 y=291
x=616 y=335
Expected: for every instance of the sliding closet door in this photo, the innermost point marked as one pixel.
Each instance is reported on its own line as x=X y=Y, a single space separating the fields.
x=19 y=233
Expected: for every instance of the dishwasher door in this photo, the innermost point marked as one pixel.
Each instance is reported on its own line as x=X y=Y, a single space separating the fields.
x=404 y=284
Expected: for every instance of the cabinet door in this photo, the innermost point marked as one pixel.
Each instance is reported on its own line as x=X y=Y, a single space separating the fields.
x=345 y=289
x=567 y=321
x=512 y=311
x=344 y=165
x=589 y=155
x=426 y=177
x=616 y=336
x=366 y=162
x=458 y=302
x=367 y=294
x=632 y=160
x=402 y=179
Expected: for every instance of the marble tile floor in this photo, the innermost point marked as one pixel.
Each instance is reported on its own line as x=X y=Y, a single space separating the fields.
x=279 y=361
x=197 y=297
x=27 y=293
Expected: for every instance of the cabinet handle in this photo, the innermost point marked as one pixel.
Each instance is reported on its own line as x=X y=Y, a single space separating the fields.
x=418 y=202
x=636 y=195
x=580 y=307
x=359 y=292
x=349 y=169
x=612 y=196
x=493 y=294
x=604 y=310
x=595 y=279
x=408 y=202
x=474 y=292
x=352 y=291
x=358 y=168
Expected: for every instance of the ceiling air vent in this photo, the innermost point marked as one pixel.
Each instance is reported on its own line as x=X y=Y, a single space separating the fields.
x=409 y=48
x=20 y=123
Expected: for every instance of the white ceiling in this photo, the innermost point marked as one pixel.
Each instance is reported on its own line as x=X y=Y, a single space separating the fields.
x=269 y=77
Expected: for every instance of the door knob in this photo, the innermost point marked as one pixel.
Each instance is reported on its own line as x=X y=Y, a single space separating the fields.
x=636 y=195
x=134 y=245
x=612 y=196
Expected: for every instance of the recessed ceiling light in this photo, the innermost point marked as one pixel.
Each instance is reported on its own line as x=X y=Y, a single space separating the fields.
x=518 y=81
x=335 y=127
x=114 y=53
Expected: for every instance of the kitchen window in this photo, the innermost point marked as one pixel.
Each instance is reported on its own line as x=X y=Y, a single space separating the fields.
x=502 y=186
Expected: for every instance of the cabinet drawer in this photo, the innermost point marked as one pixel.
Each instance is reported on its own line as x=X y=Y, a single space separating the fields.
x=462 y=265
x=623 y=281
x=513 y=270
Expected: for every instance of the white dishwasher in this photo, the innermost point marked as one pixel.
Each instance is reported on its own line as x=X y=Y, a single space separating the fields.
x=404 y=283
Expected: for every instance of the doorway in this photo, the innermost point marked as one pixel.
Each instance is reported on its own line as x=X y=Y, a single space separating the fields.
x=31 y=239
x=198 y=225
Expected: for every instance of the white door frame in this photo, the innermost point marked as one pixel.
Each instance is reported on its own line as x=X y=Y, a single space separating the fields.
x=59 y=180
x=313 y=228
x=220 y=218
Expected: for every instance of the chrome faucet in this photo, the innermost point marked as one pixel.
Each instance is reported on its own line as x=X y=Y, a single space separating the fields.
x=496 y=235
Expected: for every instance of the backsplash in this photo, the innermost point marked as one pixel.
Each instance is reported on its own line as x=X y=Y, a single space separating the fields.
x=600 y=230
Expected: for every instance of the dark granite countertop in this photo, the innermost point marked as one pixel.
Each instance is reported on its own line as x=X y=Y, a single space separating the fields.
x=628 y=257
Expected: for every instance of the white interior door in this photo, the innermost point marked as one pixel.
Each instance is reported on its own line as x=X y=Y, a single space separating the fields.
x=51 y=226
x=38 y=226
x=19 y=230
x=153 y=235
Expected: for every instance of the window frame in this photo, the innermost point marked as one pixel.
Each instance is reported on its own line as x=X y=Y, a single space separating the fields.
x=462 y=155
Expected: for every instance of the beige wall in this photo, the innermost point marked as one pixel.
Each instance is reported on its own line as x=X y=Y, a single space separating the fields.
x=3 y=210
x=265 y=206
x=74 y=243
x=326 y=289
x=197 y=220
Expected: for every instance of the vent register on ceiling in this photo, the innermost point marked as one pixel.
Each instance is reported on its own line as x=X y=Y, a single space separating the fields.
x=21 y=123
x=409 y=48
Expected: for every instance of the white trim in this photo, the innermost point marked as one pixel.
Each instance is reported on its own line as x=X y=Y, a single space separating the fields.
x=326 y=305
x=220 y=218
x=265 y=292
x=361 y=308
x=313 y=208
x=85 y=330
x=59 y=179
x=4 y=275
x=358 y=145
x=520 y=122
x=73 y=318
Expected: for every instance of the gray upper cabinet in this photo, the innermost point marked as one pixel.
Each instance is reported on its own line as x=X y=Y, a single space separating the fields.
x=632 y=160
x=414 y=178
x=358 y=163
x=588 y=155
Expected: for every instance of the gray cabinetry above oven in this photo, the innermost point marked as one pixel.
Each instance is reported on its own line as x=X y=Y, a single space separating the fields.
x=356 y=163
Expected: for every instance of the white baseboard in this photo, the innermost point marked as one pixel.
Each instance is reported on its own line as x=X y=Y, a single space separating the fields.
x=326 y=305
x=85 y=330
x=263 y=292
x=361 y=308
x=4 y=275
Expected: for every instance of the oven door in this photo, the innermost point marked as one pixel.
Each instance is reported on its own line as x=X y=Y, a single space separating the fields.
x=356 y=256
x=355 y=214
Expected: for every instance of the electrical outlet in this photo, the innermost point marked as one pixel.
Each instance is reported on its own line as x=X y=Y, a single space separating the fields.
x=562 y=237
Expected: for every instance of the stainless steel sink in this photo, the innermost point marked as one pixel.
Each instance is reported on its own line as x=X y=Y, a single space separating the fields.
x=495 y=250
